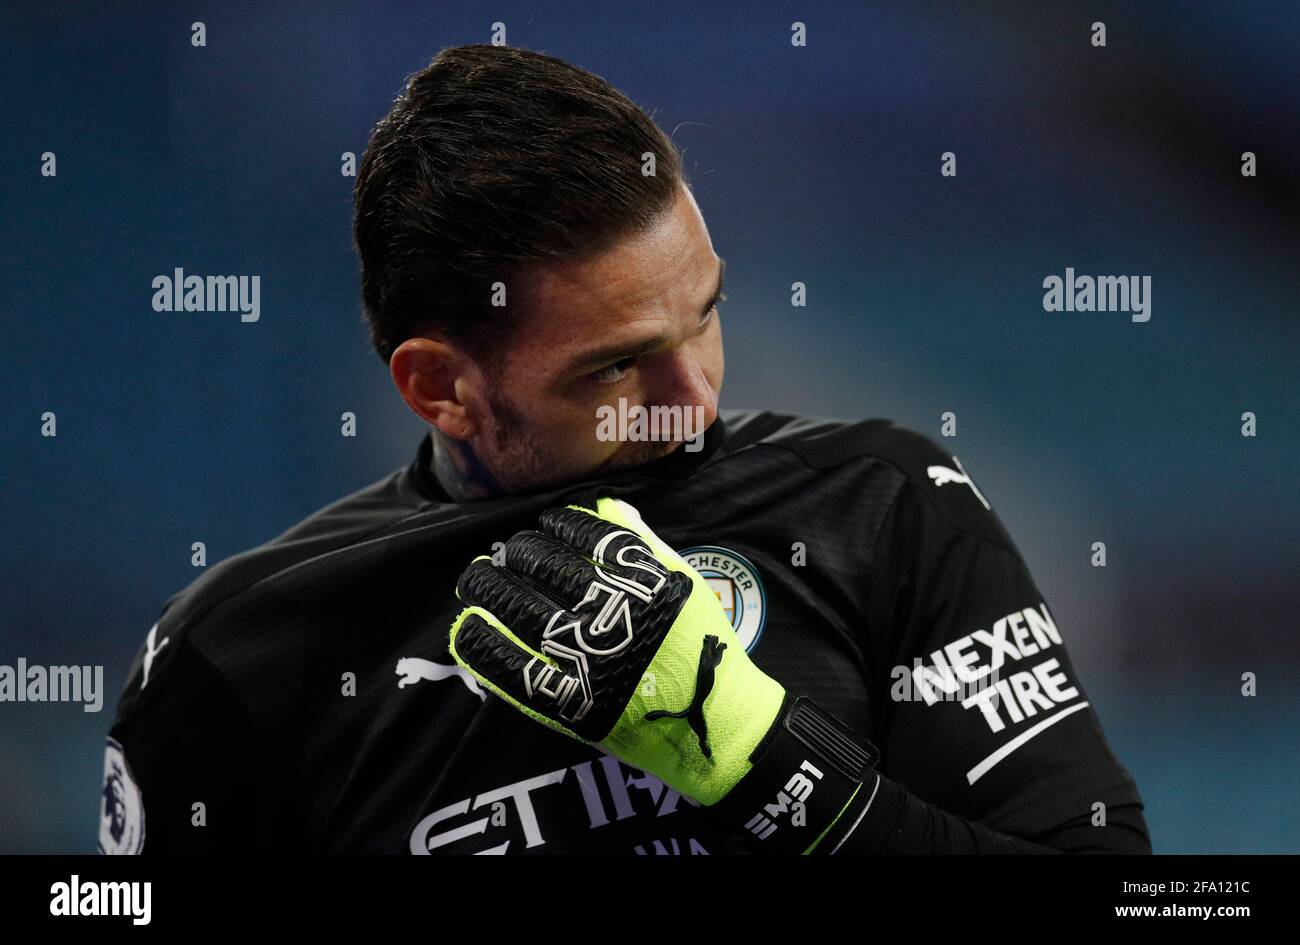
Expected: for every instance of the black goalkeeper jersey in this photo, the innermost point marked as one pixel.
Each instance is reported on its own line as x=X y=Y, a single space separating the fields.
x=301 y=697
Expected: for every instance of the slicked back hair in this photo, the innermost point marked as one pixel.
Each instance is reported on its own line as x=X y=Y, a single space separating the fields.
x=493 y=162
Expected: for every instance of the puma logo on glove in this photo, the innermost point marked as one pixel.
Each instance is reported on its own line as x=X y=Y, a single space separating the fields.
x=710 y=657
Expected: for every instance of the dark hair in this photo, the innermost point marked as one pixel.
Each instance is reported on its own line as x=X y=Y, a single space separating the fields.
x=494 y=161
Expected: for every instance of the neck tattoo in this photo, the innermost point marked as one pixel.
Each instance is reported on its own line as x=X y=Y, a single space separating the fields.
x=459 y=471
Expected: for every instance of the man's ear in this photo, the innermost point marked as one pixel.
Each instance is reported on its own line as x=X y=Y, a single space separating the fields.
x=426 y=371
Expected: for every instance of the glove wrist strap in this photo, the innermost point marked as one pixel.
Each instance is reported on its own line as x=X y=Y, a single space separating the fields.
x=806 y=771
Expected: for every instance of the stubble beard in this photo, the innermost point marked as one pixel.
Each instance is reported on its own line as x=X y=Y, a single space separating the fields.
x=522 y=460
x=526 y=464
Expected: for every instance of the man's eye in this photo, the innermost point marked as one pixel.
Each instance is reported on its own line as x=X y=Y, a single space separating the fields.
x=614 y=372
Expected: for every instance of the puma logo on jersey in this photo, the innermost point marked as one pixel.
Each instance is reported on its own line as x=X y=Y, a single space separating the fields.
x=942 y=476
x=151 y=651
x=412 y=669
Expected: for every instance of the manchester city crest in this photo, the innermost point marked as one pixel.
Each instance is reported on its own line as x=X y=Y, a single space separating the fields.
x=738 y=586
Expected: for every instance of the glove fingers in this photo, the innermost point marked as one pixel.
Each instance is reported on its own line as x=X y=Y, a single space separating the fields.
x=528 y=610
x=617 y=551
x=597 y=603
x=555 y=690
x=609 y=599
x=561 y=572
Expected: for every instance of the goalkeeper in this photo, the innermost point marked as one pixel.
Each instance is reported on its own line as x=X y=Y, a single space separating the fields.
x=765 y=633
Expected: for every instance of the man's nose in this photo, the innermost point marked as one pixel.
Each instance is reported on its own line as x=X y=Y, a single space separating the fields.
x=683 y=383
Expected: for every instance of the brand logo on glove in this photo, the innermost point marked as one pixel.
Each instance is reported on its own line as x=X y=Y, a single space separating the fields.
x=570 y=637
x=710 y=657
x=791 y=801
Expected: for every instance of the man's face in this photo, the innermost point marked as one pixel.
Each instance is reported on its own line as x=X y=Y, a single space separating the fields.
x=638 y=322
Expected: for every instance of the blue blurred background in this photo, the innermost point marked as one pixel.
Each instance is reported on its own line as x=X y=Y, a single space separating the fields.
x=817 y=164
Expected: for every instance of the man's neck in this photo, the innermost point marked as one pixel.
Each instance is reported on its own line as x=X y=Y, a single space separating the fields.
x=459 y=471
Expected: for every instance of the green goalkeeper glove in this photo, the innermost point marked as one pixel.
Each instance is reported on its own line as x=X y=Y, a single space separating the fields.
x=596 y=628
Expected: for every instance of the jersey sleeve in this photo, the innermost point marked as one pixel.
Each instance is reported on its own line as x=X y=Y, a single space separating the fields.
x=985 y=718
x=181 y=763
